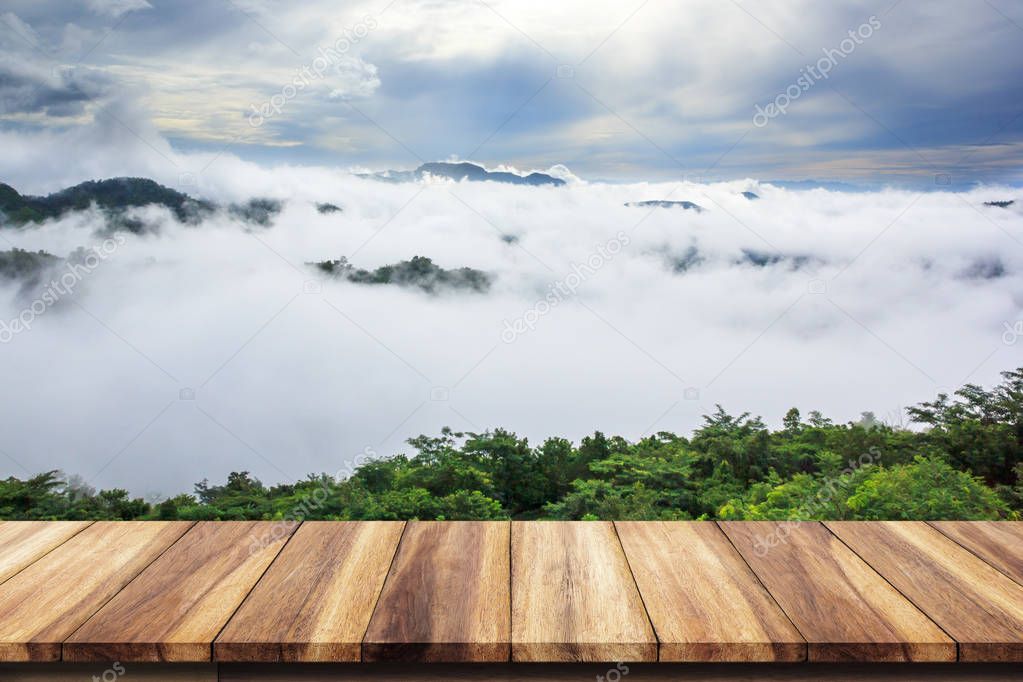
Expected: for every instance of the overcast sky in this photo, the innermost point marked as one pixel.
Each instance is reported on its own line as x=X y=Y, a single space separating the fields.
x=652 y=89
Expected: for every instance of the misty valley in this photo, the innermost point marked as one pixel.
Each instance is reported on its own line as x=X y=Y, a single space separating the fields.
x=540 y=300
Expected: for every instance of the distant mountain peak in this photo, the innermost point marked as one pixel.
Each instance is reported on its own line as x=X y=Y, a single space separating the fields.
x=468 y=171
x=661 y=203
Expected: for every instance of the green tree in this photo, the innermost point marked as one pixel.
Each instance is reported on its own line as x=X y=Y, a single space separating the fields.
x=926 y=489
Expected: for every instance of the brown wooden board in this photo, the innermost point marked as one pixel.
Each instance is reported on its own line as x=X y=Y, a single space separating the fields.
x=315 y=602
x=574 y=597
x=703 y=600
x=446 y=596
x=980 y=607
x=22 y=542
x=1000 y=543
x=175 y=608
x=842 y=607
x=46 y=601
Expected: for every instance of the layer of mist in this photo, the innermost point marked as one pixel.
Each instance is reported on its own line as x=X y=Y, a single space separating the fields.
x=186 y=351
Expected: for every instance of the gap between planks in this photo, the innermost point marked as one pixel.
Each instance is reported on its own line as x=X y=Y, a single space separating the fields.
x=956 y=541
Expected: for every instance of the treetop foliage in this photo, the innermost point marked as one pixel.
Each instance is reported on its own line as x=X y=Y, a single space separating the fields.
x=964 y=462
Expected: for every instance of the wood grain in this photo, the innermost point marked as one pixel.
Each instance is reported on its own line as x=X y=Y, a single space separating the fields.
x=22 y=542
x=574 y=597
x=703 y=600
x=315 y=602
x=980 y=607
x=175 y=608
x=1000 y=543
x=45 y=602
x=446 y=597
x=844 y=609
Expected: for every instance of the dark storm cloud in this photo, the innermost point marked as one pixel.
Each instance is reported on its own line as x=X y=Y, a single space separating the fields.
x=61 y=92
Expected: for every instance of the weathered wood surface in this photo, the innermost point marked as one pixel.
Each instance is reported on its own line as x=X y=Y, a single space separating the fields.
x=703 y=600
x=45 y=602
x=841 y=606
x=980 y=607
x=25 y=541
x=315 y=601
x=574 y=597
x=490 y=592
x=999 y=543
x=446 y=598
x=175 y=608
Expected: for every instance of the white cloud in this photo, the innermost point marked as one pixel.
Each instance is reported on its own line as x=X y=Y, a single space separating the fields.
x=684 y=75
x=353 y=77
x=280 y=374
x=314 y=387
x=116 y=8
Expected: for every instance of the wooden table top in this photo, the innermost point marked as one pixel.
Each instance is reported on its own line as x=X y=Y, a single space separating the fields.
x=520 y=591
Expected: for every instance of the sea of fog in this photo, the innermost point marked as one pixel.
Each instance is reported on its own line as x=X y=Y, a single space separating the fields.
x=197 y=350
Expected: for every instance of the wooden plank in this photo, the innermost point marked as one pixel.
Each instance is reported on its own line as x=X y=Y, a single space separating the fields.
x=703 y=600
x=315 y=602
x=980 y=607
x=44 y=603
x=446 y=596
x=845 y=610
x=1000 y=543
x=174 y=609
x=22 y=542
x=574 y=597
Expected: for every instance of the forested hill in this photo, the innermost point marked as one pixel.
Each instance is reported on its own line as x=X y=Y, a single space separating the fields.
x=115 y=194
x=964 y=463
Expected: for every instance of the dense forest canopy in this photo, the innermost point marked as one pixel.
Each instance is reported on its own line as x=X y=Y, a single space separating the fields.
x=420 y=272
x=966 y=462
x=115 y=194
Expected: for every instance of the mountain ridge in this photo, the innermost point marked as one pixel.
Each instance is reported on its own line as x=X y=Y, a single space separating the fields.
x=465 y=170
